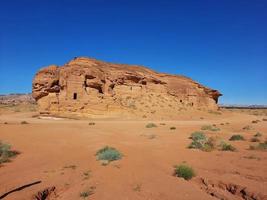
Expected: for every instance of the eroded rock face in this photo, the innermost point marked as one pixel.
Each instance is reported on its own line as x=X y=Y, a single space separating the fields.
x=88 y=87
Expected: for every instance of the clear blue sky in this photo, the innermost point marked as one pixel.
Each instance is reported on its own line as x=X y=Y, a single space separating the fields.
x=220 y=43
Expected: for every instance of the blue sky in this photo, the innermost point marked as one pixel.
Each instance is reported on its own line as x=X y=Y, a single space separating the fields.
x=221 y=44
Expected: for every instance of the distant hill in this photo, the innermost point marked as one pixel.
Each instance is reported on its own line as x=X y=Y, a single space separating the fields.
x=237 y=106
x=15 y=99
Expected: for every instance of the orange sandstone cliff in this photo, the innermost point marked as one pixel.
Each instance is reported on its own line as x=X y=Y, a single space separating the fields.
x=87 y=87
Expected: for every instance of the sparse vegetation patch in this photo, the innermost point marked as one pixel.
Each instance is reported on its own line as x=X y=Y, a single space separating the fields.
x=261 y=146
x=184 y=171
x=6 y=153
x=236 y=137
x=108 y=154
x=227 y=147
x=87 y=192
x=210 y=128
x=172 y=128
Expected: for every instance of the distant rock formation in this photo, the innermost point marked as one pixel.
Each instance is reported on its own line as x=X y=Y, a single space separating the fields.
x=88 y=87
x=15 y=99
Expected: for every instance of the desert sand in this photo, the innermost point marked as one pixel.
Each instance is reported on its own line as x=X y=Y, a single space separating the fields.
x=61 y=153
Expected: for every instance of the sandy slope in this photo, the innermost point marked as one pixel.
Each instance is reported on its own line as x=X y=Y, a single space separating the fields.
x=48 y=147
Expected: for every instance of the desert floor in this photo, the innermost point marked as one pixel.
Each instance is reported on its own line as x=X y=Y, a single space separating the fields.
x=61 y=153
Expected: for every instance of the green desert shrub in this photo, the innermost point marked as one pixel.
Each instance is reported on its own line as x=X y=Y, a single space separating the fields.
x=108 y=154
x=6 y=153
x=210 y=144
x=184 y=171
x=200 y=141
x=236 y=137
x=198 y=135
x=151 y=125
x=209 y=128
x=227 y=147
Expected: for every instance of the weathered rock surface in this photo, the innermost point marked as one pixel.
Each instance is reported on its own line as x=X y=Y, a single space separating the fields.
x=89 y=87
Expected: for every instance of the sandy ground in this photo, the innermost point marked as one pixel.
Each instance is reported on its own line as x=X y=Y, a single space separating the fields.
x=60 y=152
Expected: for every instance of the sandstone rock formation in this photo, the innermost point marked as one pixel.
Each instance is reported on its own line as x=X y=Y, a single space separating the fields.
x=89 y=87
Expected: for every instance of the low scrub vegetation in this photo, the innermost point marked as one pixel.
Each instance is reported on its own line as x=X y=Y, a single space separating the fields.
x=91 y=123
x=87 y=192
x=151 y=125
x=227 y=147
x=6 y=153
x=236 y=137
x=172 y=128
x=261 y=146
x=200 y=141
x=24 y=122
x=210 y=128
x=184 y=171
x=108 y=154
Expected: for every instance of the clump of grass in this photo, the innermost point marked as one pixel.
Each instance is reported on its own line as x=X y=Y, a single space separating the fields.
x=24 y=122
x=6 y=153
x=255 y=121
x=151 y=125
x=227 y=147
x=254 y=139
x=108 y=154
x=172 y=128
x=258 y=134
x=198 y=135
x=261 y=146
x=236 y=137
x=184 y=171
x=91 y=123
x=88 y=192
x=210 y=128
x=200 y=141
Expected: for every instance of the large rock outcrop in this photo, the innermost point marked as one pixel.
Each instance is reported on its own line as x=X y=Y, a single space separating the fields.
x=89 y=87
